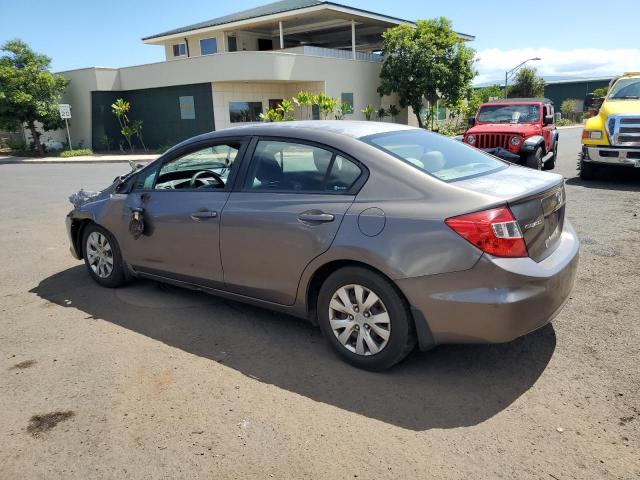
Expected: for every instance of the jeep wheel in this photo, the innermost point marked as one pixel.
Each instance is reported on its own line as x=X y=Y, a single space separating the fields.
x=534 y=159
x=551 y=163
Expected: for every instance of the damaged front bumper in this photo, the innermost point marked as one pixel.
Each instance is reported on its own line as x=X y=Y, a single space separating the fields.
x=503 y=153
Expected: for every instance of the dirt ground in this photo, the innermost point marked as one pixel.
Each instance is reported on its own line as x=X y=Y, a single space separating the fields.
x=154 y=382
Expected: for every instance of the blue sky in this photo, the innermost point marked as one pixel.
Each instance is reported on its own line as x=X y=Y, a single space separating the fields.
x=569 y=35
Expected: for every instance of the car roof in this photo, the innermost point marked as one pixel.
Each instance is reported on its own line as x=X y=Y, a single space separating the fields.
x=313 y=130
x=349 y=128
x=521 y=100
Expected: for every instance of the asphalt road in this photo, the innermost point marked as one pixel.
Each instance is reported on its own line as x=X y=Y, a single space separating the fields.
x=154 y=382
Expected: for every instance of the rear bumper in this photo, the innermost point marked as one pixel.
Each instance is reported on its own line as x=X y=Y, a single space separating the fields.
x=612 y=156
x=497 y=300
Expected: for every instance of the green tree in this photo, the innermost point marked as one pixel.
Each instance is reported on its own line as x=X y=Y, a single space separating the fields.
x=120 y=109
x=427 y=62
x=600 y=92
x=29 y=92
x=381 y=113
x=343 y=110
x=368 y=112
x=304 y=100
x=527 y=84
x=286 y=109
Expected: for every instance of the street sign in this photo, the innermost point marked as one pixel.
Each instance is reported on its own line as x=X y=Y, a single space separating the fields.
x=65 y=113
x=65 y=110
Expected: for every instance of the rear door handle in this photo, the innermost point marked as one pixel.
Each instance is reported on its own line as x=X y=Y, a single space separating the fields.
x=319 y=217
x=204 y=214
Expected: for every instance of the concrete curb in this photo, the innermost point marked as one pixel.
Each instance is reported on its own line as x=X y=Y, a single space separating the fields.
x=570 y=126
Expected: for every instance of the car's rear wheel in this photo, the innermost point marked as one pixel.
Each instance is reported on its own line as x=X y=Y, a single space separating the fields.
x=102 y=257
x=534 y=159
x=365 y=319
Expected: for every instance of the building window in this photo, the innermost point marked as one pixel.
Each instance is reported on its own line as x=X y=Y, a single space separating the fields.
x=244 y=111
x=315 y=112
x=187 y=108
x=208 y=46
x=179 y=49
x=348 y=99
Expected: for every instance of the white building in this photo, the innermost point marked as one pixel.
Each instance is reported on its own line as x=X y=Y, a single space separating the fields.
x=230 y=69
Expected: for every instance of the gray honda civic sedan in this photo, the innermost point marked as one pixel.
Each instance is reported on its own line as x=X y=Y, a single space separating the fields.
x=383 y=235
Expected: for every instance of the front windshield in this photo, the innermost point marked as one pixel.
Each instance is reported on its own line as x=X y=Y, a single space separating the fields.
x=626 y=88
x=509 y=114
x=436 y=155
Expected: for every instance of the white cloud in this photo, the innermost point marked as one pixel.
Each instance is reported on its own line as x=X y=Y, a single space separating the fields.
x=585 y=62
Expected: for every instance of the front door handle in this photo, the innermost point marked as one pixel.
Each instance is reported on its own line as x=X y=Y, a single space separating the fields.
x=316 y=217
x=204 y=214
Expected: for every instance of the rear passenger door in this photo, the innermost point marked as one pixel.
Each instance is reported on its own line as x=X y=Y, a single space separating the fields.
x=287 y=212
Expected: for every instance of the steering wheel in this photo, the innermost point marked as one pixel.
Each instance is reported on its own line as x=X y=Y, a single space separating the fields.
x=200 y=173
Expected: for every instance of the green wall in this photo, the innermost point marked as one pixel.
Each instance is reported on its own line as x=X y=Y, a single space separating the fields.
x=159 y=110
x=559 y=92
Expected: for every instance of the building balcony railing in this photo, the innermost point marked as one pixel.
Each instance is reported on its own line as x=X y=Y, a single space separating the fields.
x=333 y=53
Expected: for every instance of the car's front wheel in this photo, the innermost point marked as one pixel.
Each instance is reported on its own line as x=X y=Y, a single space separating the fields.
x=102 y=257
x=365 y=319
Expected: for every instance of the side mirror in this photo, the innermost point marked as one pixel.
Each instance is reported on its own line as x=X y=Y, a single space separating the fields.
x=471 y=122
x=548 y=120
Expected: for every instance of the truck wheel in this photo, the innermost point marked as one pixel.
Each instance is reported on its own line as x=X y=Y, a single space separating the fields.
x=551 y=163
x=587 y=171
x=534 y=159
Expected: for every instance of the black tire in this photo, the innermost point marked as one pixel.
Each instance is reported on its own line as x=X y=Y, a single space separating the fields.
x=534 y=159
x=117 y=277
x=551 y=163
x=587 y=170
x=402 y=337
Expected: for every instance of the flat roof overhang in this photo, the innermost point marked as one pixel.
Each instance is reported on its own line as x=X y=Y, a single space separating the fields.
x=303 y=20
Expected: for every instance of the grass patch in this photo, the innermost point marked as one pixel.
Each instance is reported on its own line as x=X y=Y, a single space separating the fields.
x=75 y=153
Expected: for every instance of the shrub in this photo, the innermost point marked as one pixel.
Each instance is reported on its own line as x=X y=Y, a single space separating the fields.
x=14 y=144
x=163 y=148
x=78 y=152
x=565 y=122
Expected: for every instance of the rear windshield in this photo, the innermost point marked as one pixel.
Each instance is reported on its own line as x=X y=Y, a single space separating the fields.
x=445 y=159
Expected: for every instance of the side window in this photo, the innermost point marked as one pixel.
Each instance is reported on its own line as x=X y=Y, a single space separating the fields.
x=288 y=166
x=343 y=175
x=206 y=168
x=144 y=179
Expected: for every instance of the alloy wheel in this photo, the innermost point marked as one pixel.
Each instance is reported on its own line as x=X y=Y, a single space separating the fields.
x=359 y=320
x=99 y=254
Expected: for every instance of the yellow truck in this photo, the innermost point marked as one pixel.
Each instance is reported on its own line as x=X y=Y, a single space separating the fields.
x=612 y=137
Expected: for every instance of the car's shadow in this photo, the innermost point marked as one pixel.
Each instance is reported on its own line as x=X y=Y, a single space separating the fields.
x=610 y=178
x=448 y=387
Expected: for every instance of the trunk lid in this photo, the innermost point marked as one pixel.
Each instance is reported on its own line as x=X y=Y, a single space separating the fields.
x=536 y=199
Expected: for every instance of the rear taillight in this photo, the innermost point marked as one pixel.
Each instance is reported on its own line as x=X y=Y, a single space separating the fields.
x=493 y=231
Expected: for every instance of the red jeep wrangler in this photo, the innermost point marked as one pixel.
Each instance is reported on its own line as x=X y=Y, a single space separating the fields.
x=519 y=130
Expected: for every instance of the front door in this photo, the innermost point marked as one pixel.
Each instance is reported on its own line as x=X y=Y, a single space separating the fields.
x=287 y=212
x=180 y=202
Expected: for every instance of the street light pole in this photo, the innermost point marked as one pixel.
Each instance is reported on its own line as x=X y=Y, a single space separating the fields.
x=509 y=73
